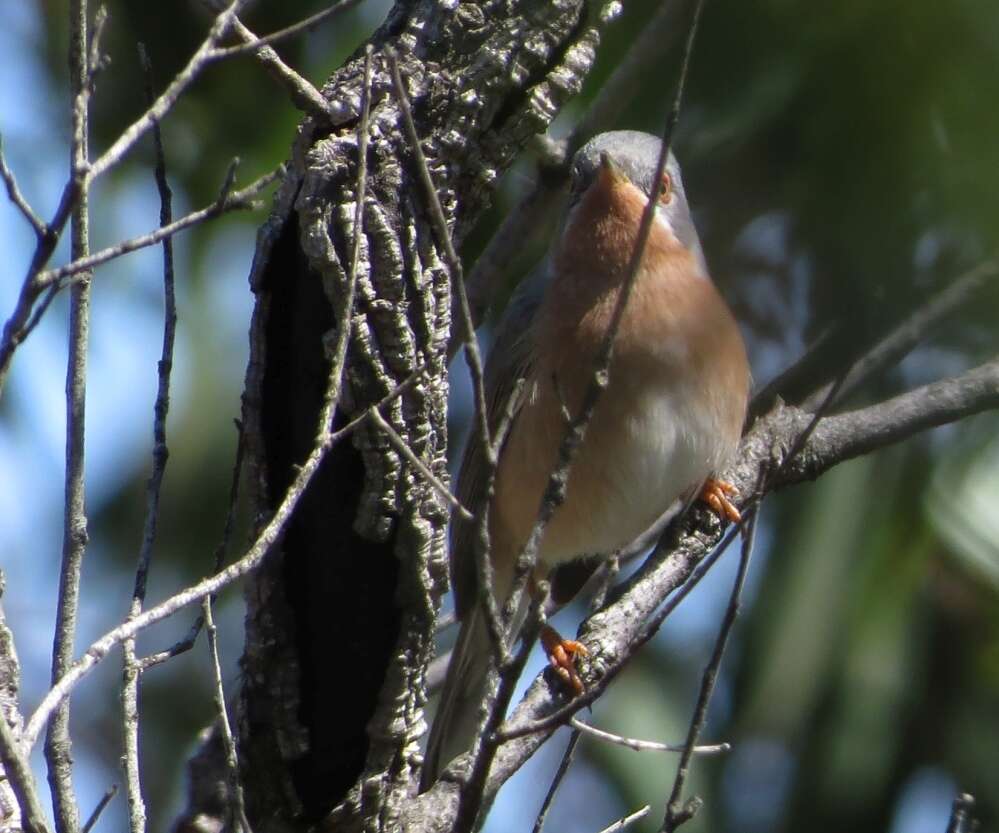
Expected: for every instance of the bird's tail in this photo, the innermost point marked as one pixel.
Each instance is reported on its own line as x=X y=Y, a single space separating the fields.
x=460 y=710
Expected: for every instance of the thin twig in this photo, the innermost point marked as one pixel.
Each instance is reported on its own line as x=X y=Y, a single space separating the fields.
x=161 y=407
x=304 y=25
x=227 y=201
x=301 y=91
x=228 y=742
x=627 y=821
x=472 y=354
x=58 y=742
x=188 y=642
x=181 y=646
x=675 y=813
x=109 y=793
x=16 y=197
x=17 y=770
x=168 y=98
x=400 y=445
x=484 y=565
x=560 y=773
x=902 y=338
x=26 y=316
x=17 y=325
x=639 y=745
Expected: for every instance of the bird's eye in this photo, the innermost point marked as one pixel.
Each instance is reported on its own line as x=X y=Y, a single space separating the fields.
x=665 y=194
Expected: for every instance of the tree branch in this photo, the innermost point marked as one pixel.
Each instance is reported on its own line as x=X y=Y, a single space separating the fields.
x=16 y=197
x=17 y=770
x=227 y=200
x=616 y=632
x=58 y=743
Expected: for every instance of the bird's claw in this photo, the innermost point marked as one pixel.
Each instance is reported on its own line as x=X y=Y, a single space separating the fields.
x=562 y=655
x=715 y=493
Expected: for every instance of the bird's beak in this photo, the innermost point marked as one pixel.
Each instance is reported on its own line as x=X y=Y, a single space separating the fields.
x=612 y=170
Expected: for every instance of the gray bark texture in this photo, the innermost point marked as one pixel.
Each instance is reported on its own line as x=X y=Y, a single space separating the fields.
x=10 y=674
x=20 y=807
x=340 y=618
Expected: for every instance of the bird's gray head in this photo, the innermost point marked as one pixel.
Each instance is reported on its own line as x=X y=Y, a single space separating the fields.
x=636 y=154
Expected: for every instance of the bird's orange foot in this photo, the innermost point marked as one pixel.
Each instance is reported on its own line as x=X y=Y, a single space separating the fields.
x=715 y=493
x=562 y=655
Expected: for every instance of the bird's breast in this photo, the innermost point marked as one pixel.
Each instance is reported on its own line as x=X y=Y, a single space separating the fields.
x=671 y=414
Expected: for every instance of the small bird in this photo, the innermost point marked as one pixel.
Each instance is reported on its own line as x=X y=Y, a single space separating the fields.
x=670 y=418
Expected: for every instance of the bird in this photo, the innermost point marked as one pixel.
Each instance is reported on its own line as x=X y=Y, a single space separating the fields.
x=669 y=419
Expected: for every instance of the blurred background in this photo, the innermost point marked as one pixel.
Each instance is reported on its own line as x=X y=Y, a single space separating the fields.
x=843 y=167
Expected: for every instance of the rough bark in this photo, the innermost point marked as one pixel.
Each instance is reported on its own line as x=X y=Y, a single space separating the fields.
x=20 y=807
x=340 y=618
x=10 y=674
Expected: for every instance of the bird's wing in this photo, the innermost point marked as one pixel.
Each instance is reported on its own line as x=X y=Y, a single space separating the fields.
x=510 y=359
x=457 y=717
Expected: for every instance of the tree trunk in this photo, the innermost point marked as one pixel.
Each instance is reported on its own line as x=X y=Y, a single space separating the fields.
x=340 y=619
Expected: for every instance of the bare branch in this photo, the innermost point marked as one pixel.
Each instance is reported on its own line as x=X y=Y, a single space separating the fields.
x=513 y=730
x=675 y=813
x=213 y=584
x=484 y=565
x=109 y=793
x=188 y=642
x=639 y=745
x=887 y=351
x=848 y=435
x=58 y=743
x=627 y=821
x=181 y=646
x=168 y=98
x=227 y=201
x=615 y=633
x=560 y=773
x=400 y=445
x=228 y=742
x=130 y=731
x=472 y=354
x=17 y=770
x=304 y=25
x=25 y=316
x=16 y=197
x=21 y=320
x=303 y=94
x=132 y=667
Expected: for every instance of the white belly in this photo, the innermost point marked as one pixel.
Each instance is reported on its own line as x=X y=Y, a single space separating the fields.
x=640 y=455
